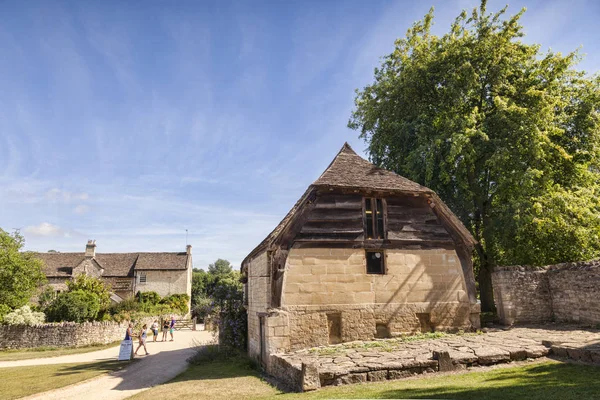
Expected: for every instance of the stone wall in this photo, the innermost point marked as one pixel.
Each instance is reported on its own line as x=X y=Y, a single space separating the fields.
x=259 y=291
x=563 y=292
x=522 y=294
x=422 y=290
x=338 y=276
x=65 y=334
x=308 y=325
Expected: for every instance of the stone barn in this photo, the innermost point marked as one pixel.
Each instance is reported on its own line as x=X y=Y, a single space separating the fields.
x=365 y=253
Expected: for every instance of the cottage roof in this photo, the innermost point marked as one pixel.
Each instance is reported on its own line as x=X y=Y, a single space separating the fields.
x=60 y=264
x=348 y=170
x=155 y=261
x=113 y=264
x=116 y=264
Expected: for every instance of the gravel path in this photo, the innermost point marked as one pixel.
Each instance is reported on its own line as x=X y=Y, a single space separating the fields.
x=166 y=360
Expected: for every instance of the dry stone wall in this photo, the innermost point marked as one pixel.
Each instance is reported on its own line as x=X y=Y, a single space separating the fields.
x=575 y=290
x=64 y=334
x=562 y=292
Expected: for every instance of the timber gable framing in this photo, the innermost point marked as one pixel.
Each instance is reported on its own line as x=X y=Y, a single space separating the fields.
x=330 y=214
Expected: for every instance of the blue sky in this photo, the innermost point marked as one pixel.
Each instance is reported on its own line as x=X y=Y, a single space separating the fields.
x=130 y=125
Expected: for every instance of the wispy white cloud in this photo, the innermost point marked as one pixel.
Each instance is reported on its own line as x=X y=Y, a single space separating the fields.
x=44 y=229
x=56 y=194
x=81 y=209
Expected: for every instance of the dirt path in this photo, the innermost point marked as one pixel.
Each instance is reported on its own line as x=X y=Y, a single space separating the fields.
x=166 y=360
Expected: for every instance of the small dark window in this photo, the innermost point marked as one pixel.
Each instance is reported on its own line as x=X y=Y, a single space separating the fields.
x=334 y=326
x=374 y=221
x=369 y=217
x=375 y=262
x=142 y=277
x=382 y=331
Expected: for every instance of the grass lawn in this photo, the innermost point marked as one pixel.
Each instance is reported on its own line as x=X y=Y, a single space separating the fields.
x=24 y=381
x=43 y=352
x=543 y=381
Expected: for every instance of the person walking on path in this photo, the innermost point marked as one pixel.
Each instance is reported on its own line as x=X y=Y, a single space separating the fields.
x=142 y=337
x=172 y=327
x=155 y=330
x=165 y=330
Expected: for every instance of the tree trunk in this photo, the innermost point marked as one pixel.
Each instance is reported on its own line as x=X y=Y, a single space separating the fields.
x=486 y=293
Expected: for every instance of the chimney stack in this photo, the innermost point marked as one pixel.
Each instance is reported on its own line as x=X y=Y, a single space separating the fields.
x=90 y=249
x=188 y=249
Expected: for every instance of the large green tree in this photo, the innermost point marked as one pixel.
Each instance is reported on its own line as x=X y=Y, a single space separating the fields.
x=20 y=272
x=507 y=135
x=220 y=267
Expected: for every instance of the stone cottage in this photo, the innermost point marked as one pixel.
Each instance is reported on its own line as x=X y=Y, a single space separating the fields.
x=126 y=273
x=365 y=253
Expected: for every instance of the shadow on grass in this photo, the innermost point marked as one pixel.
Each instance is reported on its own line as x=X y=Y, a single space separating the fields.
x=99 y=366
x=546 y=381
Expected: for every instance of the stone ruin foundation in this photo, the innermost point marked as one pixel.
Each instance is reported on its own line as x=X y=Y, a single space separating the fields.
x=359 y=362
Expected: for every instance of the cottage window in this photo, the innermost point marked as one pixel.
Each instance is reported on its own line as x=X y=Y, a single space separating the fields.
x=374 y=222
x=143 y=277
x=375 y=262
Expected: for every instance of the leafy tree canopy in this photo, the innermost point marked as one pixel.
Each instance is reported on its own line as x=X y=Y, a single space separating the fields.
x=20 y=272
x=220 y=267
x=508 y=136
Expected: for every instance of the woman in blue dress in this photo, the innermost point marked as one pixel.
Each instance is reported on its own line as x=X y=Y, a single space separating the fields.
x=129 y=332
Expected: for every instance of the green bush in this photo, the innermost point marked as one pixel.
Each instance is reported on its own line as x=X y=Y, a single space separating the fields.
x=178 y=302
x=175 y=303
x=91 y=285
x=131 y=309
x=148 y=297
x=202 y=307
x=129 y=304
x=47 y=296
x=76 y=306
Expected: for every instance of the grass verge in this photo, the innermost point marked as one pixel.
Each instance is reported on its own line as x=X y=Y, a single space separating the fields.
x=43 y=352
x=24 y=381
x=537 y=381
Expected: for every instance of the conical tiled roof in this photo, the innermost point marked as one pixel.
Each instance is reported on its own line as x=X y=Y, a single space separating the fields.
x=349 y=170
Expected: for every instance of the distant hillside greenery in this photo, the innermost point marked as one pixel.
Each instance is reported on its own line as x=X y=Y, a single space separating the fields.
x=507 y=135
